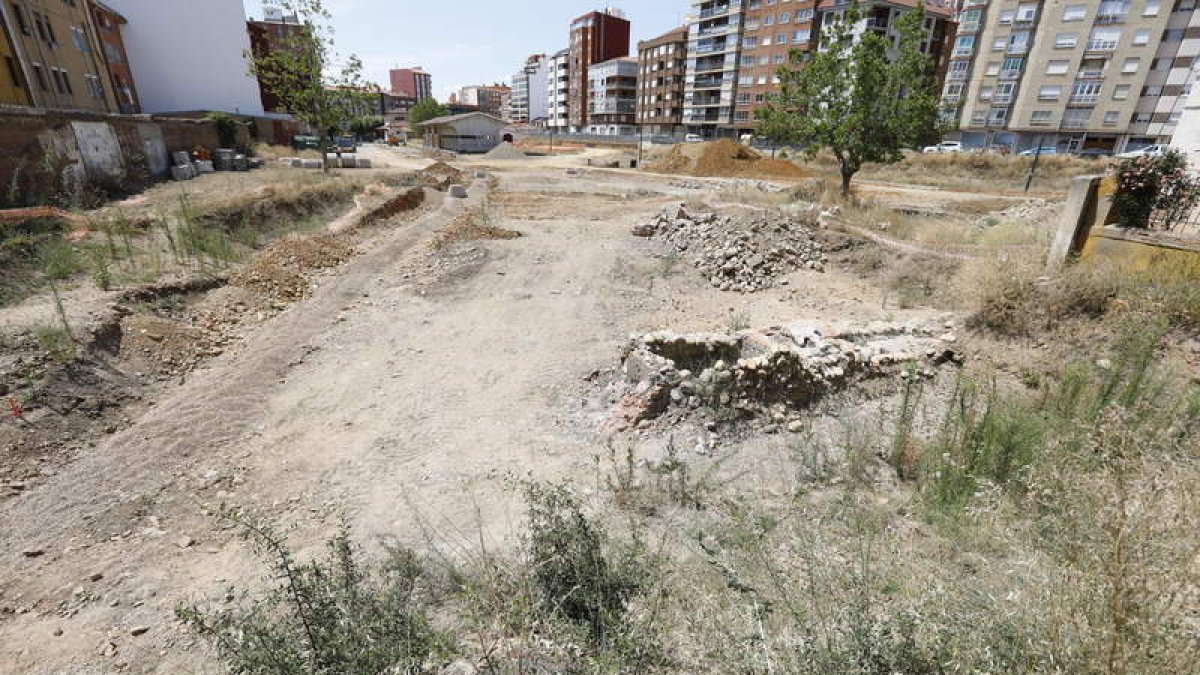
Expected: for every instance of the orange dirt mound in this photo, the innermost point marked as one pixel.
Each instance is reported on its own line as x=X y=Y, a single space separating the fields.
x=727 y=159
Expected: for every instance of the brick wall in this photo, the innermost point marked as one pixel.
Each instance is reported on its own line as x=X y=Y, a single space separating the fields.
x=39 y=151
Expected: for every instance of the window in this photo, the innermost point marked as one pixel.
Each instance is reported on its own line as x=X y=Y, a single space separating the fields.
x=22 y=20
x=1121 y=92
x=1152 y=7
x=1086 y=92
x=1141 y=38
x=985 y=94
x=999 y=44
x=1112 y=10
x=1049 y=93
x=1057 y=67
x=964 y=45
x=1111 y=117
x=13 y=71
x=1007 y=16
x=1131 y=66
x=1076 y=118
x=1026 y=13
x=1075 y=13
x=1041 y=117
x=801 y=36
x=1174 y=118
x=1012 y=66
x=1104 y=39
x=40 y=76
x=1161 y=64
x=1172 y=36
x=1152 y=90
x=1018 y=43
x=993 y=68
x=1066 y=40
x=1142 y=118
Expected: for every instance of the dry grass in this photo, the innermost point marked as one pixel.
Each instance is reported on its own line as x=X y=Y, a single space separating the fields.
x=983 y=172
x=273 y=153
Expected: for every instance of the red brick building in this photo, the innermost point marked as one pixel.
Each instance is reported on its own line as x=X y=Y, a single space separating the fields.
x=662 y=70
x=595 y=37
x=108 y=24
x=272 y=34
x=411 y=82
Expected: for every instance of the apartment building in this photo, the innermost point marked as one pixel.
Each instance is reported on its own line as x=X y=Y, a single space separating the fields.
x=107 y=23
x=595 y=37
x=558 y=83
x=662 y=69
x=13 y=89
x=736 y=48
x=771 y=30
x=488 y=98
x=411 y=82
x=54 y=44
x=275 y=32
x=612 y=97
x=529 y=84
x=1105 y=74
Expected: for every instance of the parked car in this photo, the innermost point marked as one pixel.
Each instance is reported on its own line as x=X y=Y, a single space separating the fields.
x=345 y=144
x=693 y=138
x=306 y=143
x=1094 y=153
x=1148 y=151
x=944 y=146
x=1047 y=150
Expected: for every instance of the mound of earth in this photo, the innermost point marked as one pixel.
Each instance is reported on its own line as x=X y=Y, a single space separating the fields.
x=440 y=176
x=279 y=271
x=505 y=151
x=724 y=159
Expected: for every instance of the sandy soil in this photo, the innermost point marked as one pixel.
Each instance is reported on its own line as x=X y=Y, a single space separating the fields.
x=399 y=396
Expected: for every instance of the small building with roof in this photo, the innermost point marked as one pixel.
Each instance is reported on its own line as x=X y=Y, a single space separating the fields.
x=468 y=132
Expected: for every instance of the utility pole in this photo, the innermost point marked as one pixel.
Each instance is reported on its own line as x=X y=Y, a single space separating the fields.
x=641 y=141
x=1037 y=155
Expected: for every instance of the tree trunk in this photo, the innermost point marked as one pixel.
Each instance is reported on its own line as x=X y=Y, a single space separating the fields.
x=847 y=176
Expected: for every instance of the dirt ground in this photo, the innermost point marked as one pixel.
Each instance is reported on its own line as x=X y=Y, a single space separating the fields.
x=399 y=395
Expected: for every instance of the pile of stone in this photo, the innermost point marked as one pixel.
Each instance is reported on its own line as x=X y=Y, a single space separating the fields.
x=770 y=375
x=183 y=167
x=743 y=255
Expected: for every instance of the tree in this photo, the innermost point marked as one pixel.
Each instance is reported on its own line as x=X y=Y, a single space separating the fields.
x=851 y=98
x=303 y=70
x=424 y=111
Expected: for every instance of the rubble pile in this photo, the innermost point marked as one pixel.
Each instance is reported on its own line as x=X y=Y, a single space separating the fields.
x=771 y=374
x=279 y=272
x=743 y=255
x=1034 y=212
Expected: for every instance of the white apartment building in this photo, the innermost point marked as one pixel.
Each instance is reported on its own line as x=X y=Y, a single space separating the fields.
x=1070 y=74
x=710 y=82
x=612 y=97
x=189 y=55
x=529 y=84
x=557 y=88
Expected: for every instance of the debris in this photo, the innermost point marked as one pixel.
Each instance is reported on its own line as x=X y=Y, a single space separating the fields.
x=738 y=255
x=139 y=630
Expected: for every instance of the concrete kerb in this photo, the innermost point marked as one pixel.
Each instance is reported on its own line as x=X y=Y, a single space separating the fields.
x=1079 y=214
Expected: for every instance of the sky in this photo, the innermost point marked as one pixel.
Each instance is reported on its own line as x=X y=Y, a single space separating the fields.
x=464 y=42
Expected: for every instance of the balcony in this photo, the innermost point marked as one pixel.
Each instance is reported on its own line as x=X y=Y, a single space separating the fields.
x=1075 y=122
x=1084 y=98
x=712 y=47
x=711 y=82
x=1090 y=75
x=1002 y=98
x=723 y=29
x=1101 y=45
x=951 y=98
x=719 y=10
x=1018 y=49
x=1010 y=74
x=964 y=51
x=1110 y=19
x=957 y=75
x=968 y=27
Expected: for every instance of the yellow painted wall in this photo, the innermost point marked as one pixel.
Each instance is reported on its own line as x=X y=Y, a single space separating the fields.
x=11 y=93
x=1139 y=256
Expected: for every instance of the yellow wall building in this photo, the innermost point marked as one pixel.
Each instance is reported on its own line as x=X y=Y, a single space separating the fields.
x=12 y=81
x=55 y=42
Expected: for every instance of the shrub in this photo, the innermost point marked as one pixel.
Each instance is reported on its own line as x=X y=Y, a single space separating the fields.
x=1146 y=184
x=329 y=616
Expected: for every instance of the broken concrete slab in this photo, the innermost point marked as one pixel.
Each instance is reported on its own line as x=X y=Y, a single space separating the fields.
x=458 y=192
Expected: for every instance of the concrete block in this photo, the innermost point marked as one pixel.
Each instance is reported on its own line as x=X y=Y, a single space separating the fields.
x=310 y=164
x=241 y=163
x=204 y=167
x=288 y=161
x=481 y=175
x=224 y=153
x=364 y=163
x=181 y=158
x=297 y=163
x=257 y=162
x=349 y=163
x=186 y=172
x=1075 y=221
x=458 y=192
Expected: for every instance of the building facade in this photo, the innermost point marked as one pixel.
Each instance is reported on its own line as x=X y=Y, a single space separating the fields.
x=1073 y=75
x=488 y=98
x=529 y=84
x=595 y=37
x=174 y=75
x=59 y=56
x=273 y=33
x=736 y=47
x=558 y=83
x=662 y=69
x=612 y=97
x=13 y=84
x=411 y=82
x=107 y=23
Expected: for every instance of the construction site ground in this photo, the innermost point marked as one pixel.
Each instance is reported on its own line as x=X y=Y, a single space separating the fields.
x=415 y=379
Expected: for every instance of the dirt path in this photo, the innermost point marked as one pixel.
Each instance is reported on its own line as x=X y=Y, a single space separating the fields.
x=398 y=396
